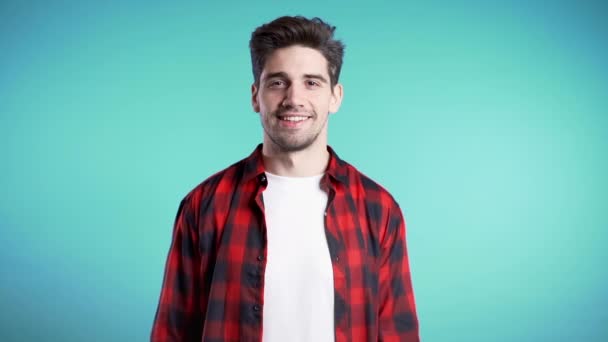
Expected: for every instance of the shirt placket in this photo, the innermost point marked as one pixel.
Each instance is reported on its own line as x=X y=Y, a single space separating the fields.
x=339 y=273
x=258 y=256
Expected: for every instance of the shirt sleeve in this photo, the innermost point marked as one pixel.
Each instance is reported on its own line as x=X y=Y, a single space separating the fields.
x=398 y=320
x=178 y=316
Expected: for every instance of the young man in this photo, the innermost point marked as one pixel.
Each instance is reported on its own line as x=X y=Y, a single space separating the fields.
x=291 y=243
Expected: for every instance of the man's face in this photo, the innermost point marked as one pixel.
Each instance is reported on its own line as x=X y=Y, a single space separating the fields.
x=294 y=98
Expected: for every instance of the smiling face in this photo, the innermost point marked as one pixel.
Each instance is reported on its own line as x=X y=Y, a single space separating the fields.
x=294 y=98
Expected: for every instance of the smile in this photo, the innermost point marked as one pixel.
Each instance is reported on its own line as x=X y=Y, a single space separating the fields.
x=293 y=118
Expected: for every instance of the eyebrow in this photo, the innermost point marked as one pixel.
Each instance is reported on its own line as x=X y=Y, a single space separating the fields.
x=279 y=74
x=282 y=74
x=316 y=76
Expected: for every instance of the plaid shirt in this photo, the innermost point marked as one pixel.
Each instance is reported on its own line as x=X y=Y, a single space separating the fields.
x=213 y=286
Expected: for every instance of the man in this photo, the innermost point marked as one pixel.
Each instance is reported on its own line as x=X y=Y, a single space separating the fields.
x=291 y=243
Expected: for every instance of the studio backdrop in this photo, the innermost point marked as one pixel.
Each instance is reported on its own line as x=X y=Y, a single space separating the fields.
x=487 y=120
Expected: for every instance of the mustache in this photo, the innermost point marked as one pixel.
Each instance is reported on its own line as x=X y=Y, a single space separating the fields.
x=292 y=110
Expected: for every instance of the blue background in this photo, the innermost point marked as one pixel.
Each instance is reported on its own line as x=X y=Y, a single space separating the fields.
x=486 y=120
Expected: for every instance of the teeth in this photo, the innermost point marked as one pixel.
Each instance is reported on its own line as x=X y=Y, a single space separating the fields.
x=294 y=118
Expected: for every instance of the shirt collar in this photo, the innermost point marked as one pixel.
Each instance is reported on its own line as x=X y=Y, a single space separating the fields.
x=254 y=166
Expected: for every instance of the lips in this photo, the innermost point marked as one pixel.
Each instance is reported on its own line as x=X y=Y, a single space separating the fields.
x=293 y=118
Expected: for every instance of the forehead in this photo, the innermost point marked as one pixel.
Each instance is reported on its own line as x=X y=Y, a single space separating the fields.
x=295 y=61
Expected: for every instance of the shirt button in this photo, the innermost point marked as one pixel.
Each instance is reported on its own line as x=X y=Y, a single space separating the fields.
x=256 y=308
x=337 y=258
x=260 y=257
x=263 y=178
x=325 y=213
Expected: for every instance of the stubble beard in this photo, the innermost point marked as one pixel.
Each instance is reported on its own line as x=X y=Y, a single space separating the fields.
x=288 y=142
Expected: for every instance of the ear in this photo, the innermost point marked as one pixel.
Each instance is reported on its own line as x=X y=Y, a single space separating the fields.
x=336 y=98
x=254 y=98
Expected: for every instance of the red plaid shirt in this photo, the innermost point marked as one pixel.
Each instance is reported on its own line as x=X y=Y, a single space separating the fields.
x=213 y=288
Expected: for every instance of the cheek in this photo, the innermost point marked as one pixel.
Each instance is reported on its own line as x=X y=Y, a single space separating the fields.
x=270 y=99
x=322 y=102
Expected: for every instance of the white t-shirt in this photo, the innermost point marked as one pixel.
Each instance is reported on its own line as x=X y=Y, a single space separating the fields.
x=298 y=284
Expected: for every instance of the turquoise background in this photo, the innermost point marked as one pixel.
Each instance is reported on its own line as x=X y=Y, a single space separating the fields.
x=486 y=120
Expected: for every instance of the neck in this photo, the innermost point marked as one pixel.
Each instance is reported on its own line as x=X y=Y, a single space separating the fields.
x=311 y=161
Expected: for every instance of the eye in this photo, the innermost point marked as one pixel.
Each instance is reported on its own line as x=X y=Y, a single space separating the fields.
x=276 y=83
x=312 y=83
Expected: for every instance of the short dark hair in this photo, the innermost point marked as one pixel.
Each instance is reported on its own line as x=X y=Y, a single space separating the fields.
x=287 y=31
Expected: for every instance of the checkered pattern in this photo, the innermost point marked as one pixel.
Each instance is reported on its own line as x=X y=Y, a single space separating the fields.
x=213 y=287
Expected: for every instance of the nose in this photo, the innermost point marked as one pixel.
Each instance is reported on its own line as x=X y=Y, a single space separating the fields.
x=294 y=96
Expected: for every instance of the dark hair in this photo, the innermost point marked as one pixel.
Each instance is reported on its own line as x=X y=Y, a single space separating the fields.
x=287 y=31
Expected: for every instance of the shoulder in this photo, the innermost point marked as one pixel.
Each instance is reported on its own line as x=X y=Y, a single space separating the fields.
x=372 y=192
x=382 y=211
x=215 y=187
